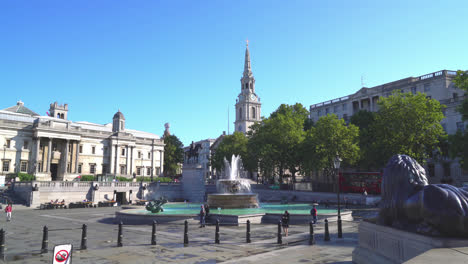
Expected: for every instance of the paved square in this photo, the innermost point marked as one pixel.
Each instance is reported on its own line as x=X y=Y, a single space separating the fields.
x=24 y=237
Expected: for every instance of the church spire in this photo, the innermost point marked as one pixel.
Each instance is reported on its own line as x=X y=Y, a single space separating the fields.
x=247 y=68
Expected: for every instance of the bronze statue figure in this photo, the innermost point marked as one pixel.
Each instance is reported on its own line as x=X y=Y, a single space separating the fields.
x=409 y=202
x=155 y=206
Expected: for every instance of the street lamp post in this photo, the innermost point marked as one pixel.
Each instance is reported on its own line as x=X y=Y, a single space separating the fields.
x=336 y=164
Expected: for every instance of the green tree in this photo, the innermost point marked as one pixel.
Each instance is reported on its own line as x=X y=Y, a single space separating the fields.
x=235 y=144
x=275 y=142
x=458 y=143
x=173 y=154
x=407 y=124
x=329 y=137
x=364 y=120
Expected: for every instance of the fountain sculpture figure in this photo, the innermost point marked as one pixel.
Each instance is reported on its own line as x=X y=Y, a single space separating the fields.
x=233 y=191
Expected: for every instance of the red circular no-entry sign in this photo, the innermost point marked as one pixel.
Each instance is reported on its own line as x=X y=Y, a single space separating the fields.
x=62 y=255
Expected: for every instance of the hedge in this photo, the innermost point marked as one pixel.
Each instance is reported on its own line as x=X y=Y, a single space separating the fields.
x=25 y=177
x=87 y=178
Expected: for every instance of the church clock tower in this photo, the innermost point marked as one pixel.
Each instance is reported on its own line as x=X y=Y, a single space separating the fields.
x=248 y=103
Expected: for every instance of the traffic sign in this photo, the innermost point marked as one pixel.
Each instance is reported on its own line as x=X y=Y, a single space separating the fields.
x=62 y=254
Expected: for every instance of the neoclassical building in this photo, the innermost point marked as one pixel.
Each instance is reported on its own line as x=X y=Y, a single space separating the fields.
x=438 y=85
x=248 y=104
x=54 y=148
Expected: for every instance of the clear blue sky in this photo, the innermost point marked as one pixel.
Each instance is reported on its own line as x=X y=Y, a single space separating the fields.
x=181 y=61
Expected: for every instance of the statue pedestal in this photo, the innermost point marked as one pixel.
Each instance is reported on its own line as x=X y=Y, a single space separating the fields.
x=383 y=244
x=193 y=183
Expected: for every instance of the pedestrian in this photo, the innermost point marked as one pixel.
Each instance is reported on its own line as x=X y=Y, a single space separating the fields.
x=207 y=210
x=202 y=216
x=285 y=222
x=8 y=212
x=313 y=212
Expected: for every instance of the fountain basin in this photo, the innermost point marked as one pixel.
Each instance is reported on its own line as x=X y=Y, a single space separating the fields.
x=230 y=201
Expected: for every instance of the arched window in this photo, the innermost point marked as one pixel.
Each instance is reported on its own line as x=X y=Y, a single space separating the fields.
x=240 y=128
x=246 y=86
x=62 y=116
x=240 y=113
x=58 y=115
x=254 y=115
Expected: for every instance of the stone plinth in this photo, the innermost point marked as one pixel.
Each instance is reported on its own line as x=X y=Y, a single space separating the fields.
x=193 y=183
x=382 y=244
x=229 y=201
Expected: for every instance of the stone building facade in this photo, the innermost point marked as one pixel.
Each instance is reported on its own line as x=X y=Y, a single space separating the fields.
x=248 y=104
x=437 y=85
x=54 y=148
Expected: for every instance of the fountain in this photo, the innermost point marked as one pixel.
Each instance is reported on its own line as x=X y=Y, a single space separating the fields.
x=233 y=191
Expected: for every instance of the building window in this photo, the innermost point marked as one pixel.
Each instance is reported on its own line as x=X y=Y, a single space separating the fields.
x=123 y=152
x=105 y=150
x=327 y=110
x=427 y=87
x=79 y=167
x=254 y=115
x=104 y=169
x=92 y=168
x=122 y=170
x=81 y=149
x=344 y=107
x=8 y=143
x=93 y=150
x=138 y=172
x=428 y=97
x=149 y=155
x=444 y=126
x=240 y=113
x=139 y=154
x=335 y=108
x=461 y=127
x=148 y=171
x=6 y=166
x=24 y=166
x=39 y=167
x=345 y=117
x=25 y=144
x=413 y=90
x=319 y=112
x=455 y=96
x=158 y=170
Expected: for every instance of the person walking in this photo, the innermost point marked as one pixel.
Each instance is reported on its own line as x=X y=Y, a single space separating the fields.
x=285 y=222
x=313 y=212
x=8 y=210
x=202 y=216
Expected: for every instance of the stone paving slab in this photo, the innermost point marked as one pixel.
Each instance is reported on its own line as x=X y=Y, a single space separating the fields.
x=24 y=234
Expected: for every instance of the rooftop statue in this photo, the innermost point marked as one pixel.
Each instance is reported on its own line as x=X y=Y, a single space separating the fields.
x=409 y=202
x=155 y=206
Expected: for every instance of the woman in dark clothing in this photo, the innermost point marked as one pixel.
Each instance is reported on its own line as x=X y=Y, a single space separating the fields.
x=285 y=222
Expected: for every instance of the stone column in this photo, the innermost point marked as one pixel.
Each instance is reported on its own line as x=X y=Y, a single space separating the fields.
x=126 y=159
x=111 y=157
x=65 y=158
x=49 y=155
x=116 y=157
x=36 y=155
x=161 y=162
x=77 y=143
x=152 y=158
x=131 y=161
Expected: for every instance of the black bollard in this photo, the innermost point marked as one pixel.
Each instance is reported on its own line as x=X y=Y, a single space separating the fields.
x=119 y=238
x=45 y=240
x=280 y=236
x=247 y=235
x=311 y=233
x=327 y=234
x=2 y=244
x=340 y=230
x=84 y=237
x=217 y=232
x=186 y=233
x=153 y=234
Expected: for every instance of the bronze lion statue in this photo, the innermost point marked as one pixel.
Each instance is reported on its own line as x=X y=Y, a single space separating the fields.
x=410 y=203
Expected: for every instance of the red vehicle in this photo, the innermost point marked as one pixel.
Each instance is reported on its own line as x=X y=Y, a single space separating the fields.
x=357 y=182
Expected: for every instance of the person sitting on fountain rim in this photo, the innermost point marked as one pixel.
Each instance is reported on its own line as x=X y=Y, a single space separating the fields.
x=202 y=216
x=285 y=222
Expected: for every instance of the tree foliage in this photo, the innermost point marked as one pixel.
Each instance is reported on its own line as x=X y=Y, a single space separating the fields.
x=173 y=154
x=232 y=144
x=274 y=142
x=365 y=121
x=458 y=143
x=407 y=124
x=329 y=137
